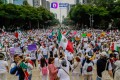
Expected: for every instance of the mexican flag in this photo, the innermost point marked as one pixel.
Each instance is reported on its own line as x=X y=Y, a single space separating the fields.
x=115 y=46
x=18 y=34
x=64 y=42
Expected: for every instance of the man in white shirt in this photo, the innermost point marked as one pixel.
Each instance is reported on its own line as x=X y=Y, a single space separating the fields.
x=45 y=52
x=3 y=67
x=63 y=73
x=55 y=51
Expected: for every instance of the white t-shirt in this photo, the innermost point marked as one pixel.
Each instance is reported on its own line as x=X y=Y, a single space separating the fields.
x=57 y=62
x=50 y=48
x=32 y=55
x=76 y=67
x=70 y=57
x=40 y=56
x=63 y=75
x=54 y=51
x=45 y=51
x=85 y=67
x=3 y=65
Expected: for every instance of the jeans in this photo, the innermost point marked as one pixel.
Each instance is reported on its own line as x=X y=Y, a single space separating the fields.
x=45 y=56
x=98 y=78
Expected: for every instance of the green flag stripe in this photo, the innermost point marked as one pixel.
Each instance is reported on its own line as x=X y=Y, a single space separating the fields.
x=59 y=36
x=68 y=33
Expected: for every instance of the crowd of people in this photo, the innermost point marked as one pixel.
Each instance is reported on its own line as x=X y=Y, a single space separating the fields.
x=95 y=52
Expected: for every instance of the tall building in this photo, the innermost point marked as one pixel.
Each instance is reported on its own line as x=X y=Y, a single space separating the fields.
x=36 y=3
x=84 y=1
x=80 y=1
x=48 y=5
x=10 y=1
x=43 y=3
x=30 y=2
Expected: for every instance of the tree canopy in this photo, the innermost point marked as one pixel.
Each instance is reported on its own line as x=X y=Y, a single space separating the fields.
x=103 y=12
x=25 y=16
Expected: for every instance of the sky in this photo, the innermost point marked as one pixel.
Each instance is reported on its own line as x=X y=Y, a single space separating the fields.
x=61 y=11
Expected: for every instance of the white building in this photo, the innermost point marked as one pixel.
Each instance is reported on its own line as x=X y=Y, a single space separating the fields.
x=30 y=2
x=61 y=12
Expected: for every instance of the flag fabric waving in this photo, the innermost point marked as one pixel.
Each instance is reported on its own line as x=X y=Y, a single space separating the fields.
x=64 y=42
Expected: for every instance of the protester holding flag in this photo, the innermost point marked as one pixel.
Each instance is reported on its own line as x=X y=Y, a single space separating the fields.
x=30 y=67
x=16 y=69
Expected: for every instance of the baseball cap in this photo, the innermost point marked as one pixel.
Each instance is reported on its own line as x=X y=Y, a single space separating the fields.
x=103 y=54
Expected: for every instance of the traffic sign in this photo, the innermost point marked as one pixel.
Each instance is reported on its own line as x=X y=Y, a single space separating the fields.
x=63 y=4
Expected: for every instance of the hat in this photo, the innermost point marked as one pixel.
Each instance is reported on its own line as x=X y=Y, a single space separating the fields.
x=2 y=56
x=103 y=54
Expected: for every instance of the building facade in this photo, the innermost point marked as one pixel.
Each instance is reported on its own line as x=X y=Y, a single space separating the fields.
x=48 y=5
x=43 y=3
x=36 y=3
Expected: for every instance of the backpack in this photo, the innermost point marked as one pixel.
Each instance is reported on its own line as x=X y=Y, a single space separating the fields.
x=89 y=68
x=44 y=70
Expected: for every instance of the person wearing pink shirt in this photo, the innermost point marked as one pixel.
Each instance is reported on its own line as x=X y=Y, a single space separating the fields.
x=52 y=69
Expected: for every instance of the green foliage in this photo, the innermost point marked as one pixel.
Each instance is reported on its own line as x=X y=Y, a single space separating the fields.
x=103 y=12
x=1 y=2
x=23 y=16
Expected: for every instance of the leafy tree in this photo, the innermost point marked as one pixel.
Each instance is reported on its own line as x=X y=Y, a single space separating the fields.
x=1 y=2
x=24 y=16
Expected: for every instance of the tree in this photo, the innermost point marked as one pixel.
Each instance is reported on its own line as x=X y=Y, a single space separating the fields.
x=1 y=2
x=24 y=16
x=80 y=14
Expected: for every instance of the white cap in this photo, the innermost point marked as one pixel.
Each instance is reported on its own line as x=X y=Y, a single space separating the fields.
x=103 y=54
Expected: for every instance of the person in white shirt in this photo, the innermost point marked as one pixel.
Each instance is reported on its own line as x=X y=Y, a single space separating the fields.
x=57 y=61
x=63 y=73
x=88 y=69
x=55 y=51
x=3 y=67
x=39 y=56
x=50 y=50
x=70 y=58
x=76 y=69
x=33 y=57
x=45 y=52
